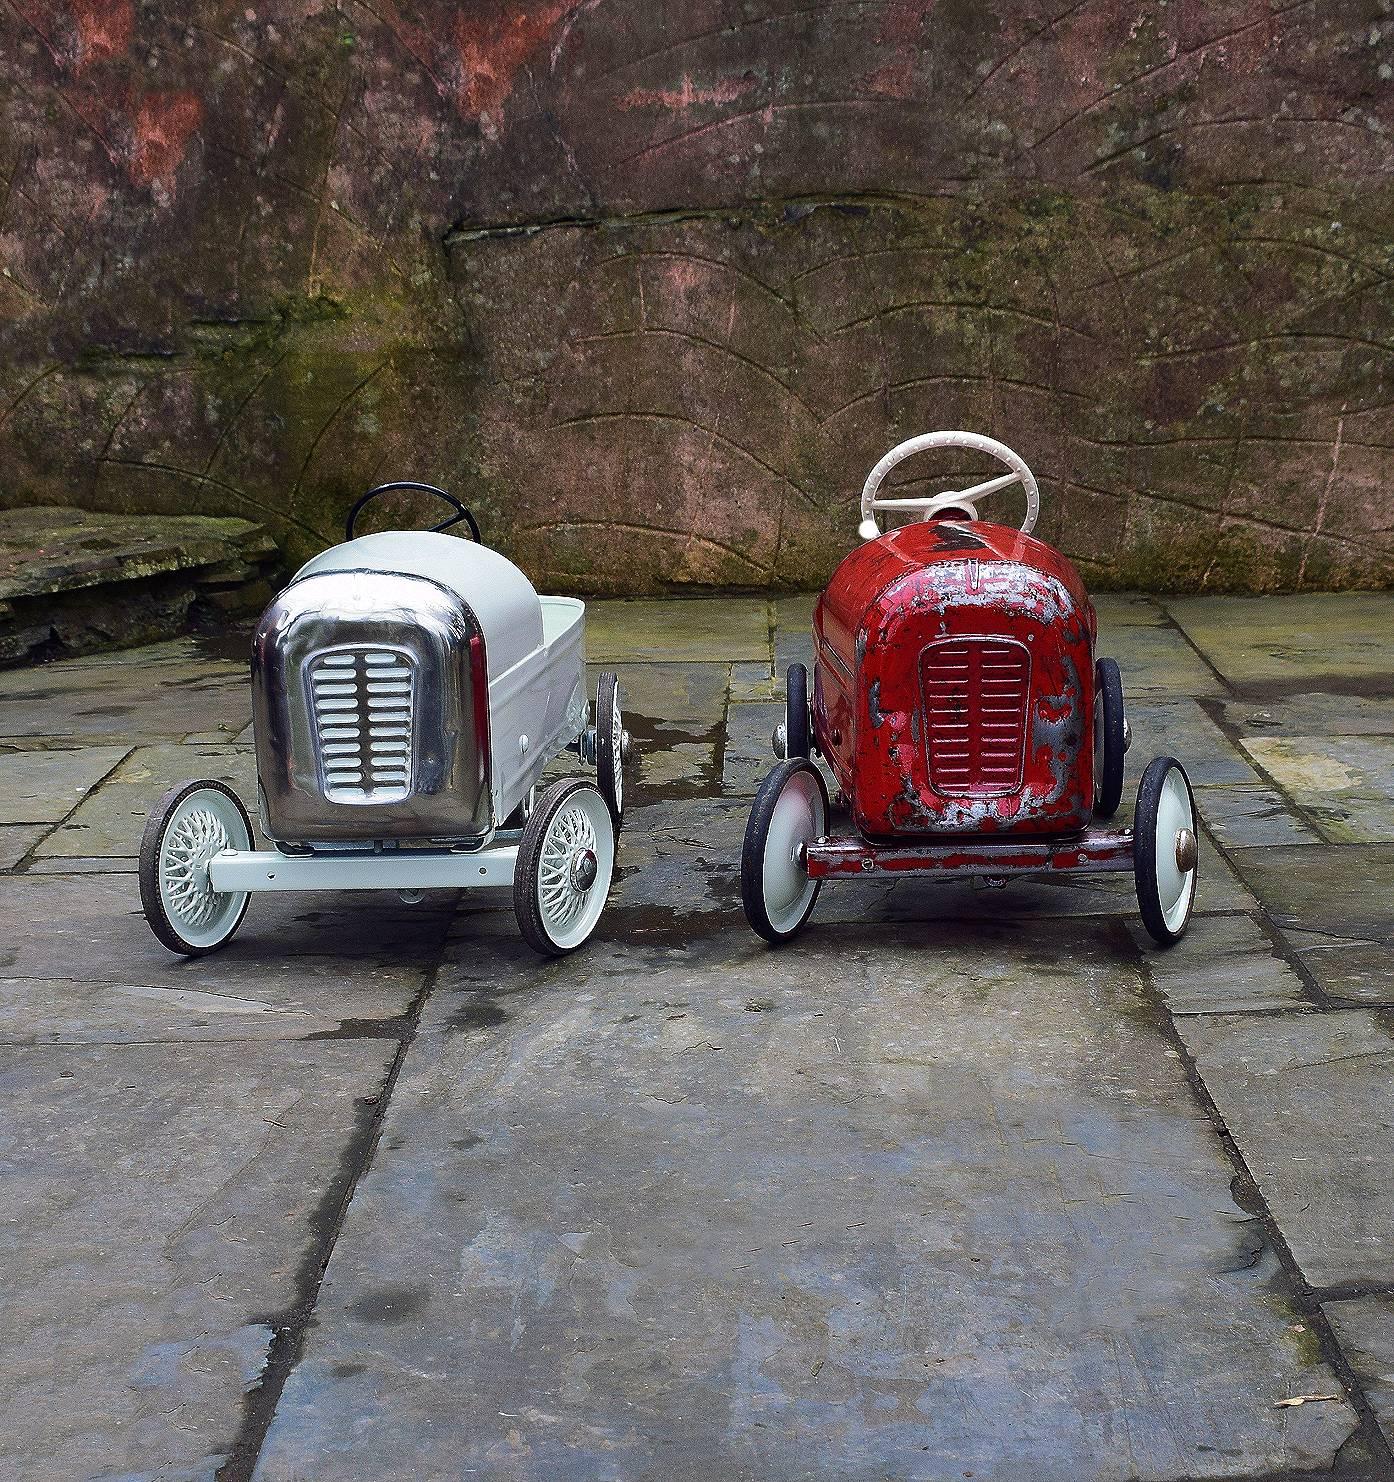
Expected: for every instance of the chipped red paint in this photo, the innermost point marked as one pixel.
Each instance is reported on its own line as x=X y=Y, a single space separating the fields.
x=875 y=627
x=163 y=125
x=1095 y=850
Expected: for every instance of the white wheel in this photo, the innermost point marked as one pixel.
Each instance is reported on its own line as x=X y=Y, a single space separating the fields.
x=186 y=828
x=789 y=813
x=566 y=861
x=1165 y=848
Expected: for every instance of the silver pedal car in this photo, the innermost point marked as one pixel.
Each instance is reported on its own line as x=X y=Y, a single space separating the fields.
x=408 y=689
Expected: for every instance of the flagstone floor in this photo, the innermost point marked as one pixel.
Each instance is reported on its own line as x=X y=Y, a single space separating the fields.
x=963 y=1183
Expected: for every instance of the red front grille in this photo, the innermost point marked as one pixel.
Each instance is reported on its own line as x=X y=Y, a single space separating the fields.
x=975 y=700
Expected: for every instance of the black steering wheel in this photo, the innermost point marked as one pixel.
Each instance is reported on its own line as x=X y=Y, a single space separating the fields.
x=461 y=513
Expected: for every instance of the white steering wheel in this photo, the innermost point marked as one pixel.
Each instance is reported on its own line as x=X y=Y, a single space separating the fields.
x=963 y=501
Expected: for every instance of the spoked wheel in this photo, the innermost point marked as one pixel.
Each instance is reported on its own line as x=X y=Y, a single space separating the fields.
x=566 y=860
x=611 y=745
x=186 y=828
x=1110 y=738
x=790 y=812
x=1165 y=850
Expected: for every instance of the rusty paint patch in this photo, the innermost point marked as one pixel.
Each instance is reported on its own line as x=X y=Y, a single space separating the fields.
x=494 y=51
x=162 y=128
x=104 y=29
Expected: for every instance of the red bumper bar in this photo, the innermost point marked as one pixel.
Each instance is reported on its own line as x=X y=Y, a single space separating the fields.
x=1093 y=850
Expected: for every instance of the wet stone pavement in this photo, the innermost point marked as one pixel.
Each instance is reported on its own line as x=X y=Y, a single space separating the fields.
x=964 y=1183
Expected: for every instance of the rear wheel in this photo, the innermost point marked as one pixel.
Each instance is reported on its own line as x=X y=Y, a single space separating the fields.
x=186 y=828
x=1110 y=738
x=610 y=746
x=790 y=812
x=1165 y=848
x=798 y=725
x=566 y=860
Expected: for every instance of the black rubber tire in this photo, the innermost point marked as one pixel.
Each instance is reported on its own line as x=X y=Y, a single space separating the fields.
x=148 y=869
x=1108 y=769
x=526 y=867
x=798 y=726
x=1149 y=905
x=609 y=763
x=753 y=850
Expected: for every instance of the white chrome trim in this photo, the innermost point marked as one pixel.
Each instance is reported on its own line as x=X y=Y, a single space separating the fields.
x=399 y=869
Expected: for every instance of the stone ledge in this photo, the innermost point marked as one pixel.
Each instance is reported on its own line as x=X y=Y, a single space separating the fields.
x=74 y=581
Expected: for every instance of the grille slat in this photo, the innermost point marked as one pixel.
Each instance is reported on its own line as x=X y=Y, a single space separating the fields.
x=976 y=695
x=361 y=700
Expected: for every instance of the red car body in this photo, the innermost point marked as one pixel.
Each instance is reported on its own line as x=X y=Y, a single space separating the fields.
x=954 y=684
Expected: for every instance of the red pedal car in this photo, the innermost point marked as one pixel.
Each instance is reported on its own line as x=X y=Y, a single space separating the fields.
x=960 y=708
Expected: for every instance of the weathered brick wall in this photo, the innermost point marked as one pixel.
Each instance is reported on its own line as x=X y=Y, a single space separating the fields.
x=653 y=284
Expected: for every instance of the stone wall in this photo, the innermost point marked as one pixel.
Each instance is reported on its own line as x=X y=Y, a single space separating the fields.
x=653 y=284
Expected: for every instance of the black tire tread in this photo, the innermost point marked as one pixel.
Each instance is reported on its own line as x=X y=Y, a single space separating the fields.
x=798 y=738
x=607 y=765
x=1108 y=692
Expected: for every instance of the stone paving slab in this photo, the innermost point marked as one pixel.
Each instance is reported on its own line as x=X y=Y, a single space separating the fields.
x=332 y=957
x=1259 y=643
x=687 y=698
x=927 y=1216
x=1241 y=815
x=16 y=840
x=1178 y=726
x=1335 y=906
x=748 y=755
x=1306 y=1098
x=81 y=865
x=1345 y=784
x=1365 y=1327
x=160 y=693
x=1127 y=610
x=1316 y=714
x=694 y=630
x=1225 y=964
x=161 y=1203
x=110 y=822
x=45 y=786
x=39 y=1011
x=1157 y=661
x=793 y=639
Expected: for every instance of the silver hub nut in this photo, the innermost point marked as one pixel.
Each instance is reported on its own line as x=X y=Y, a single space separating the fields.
x=584 y=869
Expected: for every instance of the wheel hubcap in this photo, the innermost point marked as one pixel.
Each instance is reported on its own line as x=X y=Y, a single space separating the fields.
x=584 y=868
x=797 y=820
x=1176 y=851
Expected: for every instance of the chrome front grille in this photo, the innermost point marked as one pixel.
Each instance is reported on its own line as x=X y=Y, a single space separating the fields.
x=975 y=698
x=362 y=704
